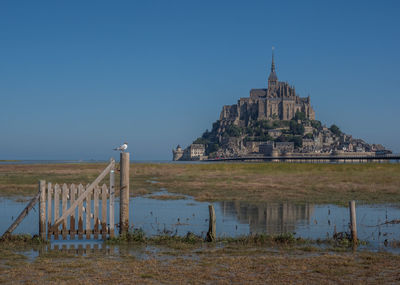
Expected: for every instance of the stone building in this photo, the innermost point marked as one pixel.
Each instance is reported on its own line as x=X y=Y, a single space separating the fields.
x=280 y=148
x=253 y=147
x=275 y=133
x=192 y=152
x=308 y=129
x=267 y=148
x=196 y=151
x=284 y=147
x=279 y=101
x=308 y=145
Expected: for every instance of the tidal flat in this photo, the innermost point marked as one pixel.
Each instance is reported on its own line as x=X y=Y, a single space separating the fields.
x=178 y=261
x=250 y=182
x=172 y=260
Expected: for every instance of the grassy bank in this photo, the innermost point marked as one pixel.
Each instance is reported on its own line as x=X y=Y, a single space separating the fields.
x=210 y=267
x=172 y=261
x=252 y=182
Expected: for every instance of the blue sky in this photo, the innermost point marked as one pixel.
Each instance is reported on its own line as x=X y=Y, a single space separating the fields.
x=79 y=77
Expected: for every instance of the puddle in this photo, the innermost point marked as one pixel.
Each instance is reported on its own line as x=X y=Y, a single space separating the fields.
x=177 y=217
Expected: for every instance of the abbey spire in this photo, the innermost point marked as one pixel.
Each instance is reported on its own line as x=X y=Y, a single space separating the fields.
x=272 y=79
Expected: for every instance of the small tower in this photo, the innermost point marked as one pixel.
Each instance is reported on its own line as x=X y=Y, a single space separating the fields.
x=272 y=79
x=177 y=153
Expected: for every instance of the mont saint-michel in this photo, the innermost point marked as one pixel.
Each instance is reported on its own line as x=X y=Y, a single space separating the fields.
x=273 y=121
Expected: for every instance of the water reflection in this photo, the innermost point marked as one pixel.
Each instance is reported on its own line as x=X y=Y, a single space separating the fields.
x=178 y=217
x=269 y=218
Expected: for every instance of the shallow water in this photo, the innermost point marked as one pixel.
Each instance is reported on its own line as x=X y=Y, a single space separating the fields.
x=236 y=218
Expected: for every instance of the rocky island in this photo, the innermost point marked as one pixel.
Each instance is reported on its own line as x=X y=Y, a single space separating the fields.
x=273 y=121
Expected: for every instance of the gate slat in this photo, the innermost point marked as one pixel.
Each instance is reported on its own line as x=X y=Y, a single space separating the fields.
x=80 y=213
x=65 y=191
x=88 y=213
x=112 y=193
x=49 y=213
x=56 y=207
x=96 y=211
x=104 y=211
x=72 y=229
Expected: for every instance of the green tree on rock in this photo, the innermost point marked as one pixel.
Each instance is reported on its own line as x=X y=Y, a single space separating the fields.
x=295 y=128
x=335 y=130
x=233 y=131
x=299 y=116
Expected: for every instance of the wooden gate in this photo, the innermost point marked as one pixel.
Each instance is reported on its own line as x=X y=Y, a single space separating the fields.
x=77 y=210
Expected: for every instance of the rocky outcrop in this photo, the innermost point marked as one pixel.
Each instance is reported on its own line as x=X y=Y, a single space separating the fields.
x=272 y=121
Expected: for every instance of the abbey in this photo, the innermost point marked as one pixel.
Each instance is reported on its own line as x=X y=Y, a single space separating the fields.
x=273 y=121
x=277 y=102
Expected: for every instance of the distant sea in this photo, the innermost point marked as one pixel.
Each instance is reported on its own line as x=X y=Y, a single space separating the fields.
x=90 y=161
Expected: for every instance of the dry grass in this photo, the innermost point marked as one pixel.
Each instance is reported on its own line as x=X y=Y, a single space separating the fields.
x=318 y=183
x=167 y=197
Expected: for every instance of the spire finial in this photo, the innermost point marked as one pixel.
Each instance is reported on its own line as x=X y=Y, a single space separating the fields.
x=273 y=62
x=272 y=79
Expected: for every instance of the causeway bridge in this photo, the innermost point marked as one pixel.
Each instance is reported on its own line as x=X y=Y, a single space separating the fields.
x=314 y=159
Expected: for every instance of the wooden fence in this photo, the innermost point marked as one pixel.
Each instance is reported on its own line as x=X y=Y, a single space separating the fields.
x=93 y=215
x=89 y=209
x=59 y=202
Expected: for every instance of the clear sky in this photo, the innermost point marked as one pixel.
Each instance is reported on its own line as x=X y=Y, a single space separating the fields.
x=78 y=78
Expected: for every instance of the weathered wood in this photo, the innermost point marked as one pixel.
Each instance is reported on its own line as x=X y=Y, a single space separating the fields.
x=64 y=209
x=80 y=249
x=56 y=208
x=353 y=221
x=112 y=195
x=96 y=211
x=104 y=211
x=21 y=216
x=124 y=193
x=42 y=209
x=83 y=196
x=80 y=212
x=88 y=213
x=72 y=229
x=49 y=213
x=212 y=227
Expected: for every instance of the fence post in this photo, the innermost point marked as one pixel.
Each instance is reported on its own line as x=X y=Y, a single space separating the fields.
x=42 y=209
x=353 y=221
x=212 y=235
x=124 y=193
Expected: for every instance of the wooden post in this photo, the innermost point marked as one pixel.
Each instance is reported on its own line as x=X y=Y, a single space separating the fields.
x=112 y=194
x=124 y=193
x=42 y=209
x=212 y=227
x=353 y=221
x=49 y=213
